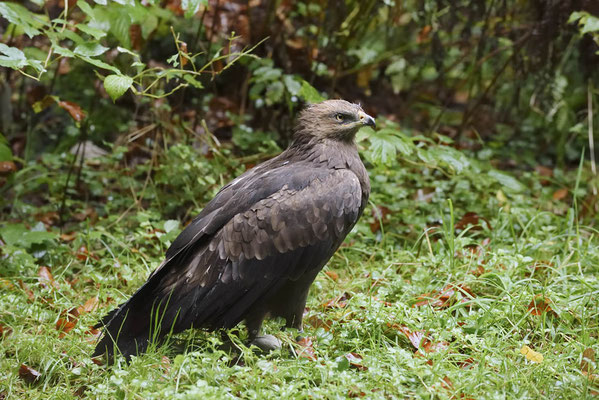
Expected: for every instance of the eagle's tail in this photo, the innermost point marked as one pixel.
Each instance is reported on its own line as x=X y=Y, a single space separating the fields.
x=134 y=325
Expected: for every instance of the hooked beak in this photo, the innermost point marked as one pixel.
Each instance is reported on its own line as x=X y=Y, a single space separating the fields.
x=366 y=119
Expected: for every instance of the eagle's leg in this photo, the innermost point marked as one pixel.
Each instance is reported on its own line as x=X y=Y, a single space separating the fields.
x=263 y=342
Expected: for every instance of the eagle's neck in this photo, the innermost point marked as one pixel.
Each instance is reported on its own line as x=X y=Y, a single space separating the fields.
x=332 y=154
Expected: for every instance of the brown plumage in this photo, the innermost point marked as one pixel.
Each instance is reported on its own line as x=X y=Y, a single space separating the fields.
x=257 y=246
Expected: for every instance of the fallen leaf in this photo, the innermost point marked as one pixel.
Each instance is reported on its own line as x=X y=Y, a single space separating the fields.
x=81 y=390
x=531 y=355
x=560 y=194
x=67 y=321
x=337 y=302
x=28 y=374
x=89 y=212
x=90 y=305
x=355 y=360
x=83 y=254
x=478 y=271
x=165 y=364
x=306 y=348
x=5 y=331
x=48 y=218
x=472 y=218
x=95 y=334
x=541 y=304
x=446 y=383
x=68 y=237
x=316 y=322
x=587 y=365
x=333 y=275
x=544 y=171
x=98 y=360
x=27 y=291
x=420 y=340
x=355 y=392
x=445 y=297
x=45 y=278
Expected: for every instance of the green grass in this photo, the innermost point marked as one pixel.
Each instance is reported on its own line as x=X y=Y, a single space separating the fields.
x=387 y=278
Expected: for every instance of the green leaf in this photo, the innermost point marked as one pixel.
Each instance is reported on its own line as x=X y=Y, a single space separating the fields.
x=191 y=7
x=86 y=8
x=101 y=64
x=309 y=93
x=5 y=152
x=590 y=25
x=170 y=224
x=94 y=32
x=119 y=27
x=117 y=85
x=16 y=14
x=450 y=156
x=90 y=49
x=385 y=143
x=507 y=181
x=274 y=92
x=12 y=58
x=18 y=235
x=576 y=15
x=293 y=85
x=192 y=81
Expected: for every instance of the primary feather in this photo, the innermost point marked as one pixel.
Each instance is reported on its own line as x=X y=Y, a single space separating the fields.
x=255 y=249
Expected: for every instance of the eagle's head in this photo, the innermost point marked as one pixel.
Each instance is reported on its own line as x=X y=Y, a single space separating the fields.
x=332 y=119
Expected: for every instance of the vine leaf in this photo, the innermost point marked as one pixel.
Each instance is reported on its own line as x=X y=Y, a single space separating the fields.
x=117 y=85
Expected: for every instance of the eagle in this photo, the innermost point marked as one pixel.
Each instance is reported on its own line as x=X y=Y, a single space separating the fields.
x=257 y=246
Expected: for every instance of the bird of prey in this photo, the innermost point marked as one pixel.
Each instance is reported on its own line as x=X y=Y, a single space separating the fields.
x=256 y=248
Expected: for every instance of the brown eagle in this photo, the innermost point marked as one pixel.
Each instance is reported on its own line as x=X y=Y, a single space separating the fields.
x=256 y=248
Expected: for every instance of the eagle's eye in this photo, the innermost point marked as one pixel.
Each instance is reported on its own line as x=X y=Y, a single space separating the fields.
x=340 y=117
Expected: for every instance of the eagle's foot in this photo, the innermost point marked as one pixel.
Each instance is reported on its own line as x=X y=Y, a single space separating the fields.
x=266 y=343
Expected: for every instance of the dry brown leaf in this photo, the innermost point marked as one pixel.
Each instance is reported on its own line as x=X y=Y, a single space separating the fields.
x=560 y=194
x=333 y=275
x=83 y=254
x=28 y=374
x=337 y=302
x=27 y=291
x=316 y=322
x=48 y=218
x=68 y=237
x=95 y=334
x=587 y=365
x=444 y=298
x=541 y=304
x=67 y=321
x=90 y=305
x=306 y=348
x=355 y=361
x=472 y=218
x=46 y=279
x=4 y=331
